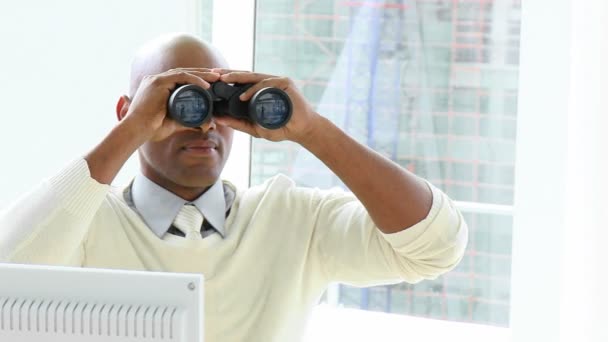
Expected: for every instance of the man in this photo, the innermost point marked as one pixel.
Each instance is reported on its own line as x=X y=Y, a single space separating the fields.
x=268 y=252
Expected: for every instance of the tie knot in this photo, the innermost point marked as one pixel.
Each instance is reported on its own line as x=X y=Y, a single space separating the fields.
x=189 y=220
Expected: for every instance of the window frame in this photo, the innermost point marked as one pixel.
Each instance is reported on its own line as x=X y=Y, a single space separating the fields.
x=238 y=47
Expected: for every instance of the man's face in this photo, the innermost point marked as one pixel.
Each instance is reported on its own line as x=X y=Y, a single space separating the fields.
x=191 y=159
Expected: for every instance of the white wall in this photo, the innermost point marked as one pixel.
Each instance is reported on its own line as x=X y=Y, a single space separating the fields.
x=540 y=175
x=63 y=65
x=559 y=277
x=585 y=276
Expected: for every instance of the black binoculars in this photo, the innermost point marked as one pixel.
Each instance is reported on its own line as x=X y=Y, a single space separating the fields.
x=191 y=105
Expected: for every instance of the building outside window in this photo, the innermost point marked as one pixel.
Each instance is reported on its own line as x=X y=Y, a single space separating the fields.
x=431 y=85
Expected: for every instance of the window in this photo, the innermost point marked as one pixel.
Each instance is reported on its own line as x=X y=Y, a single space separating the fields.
x=436 y=91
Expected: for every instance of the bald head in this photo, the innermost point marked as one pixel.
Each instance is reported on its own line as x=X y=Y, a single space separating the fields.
x=173 y=51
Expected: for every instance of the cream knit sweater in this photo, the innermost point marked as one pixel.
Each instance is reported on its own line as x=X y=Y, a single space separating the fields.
x=284 y=244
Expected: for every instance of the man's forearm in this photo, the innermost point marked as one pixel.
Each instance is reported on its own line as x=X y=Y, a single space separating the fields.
x=395 y=198
x=49 y=224
x=107 y=158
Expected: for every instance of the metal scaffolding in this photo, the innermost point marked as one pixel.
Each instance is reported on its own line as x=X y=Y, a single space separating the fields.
x=431 y=84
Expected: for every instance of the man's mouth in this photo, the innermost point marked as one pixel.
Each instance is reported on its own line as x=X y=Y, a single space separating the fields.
x=200 y=146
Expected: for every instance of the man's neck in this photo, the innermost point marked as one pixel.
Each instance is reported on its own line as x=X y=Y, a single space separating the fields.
x=188 y=193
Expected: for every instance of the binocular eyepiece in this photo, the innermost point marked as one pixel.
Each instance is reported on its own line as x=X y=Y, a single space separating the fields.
x=191 y=105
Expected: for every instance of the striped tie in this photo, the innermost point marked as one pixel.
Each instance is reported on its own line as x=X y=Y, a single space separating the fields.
x=189 y=220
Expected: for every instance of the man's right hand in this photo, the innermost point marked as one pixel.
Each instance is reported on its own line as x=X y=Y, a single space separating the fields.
x=148 y=108
x=145 y=119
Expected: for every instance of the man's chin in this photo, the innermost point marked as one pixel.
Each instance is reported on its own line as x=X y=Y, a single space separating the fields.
x=198 y=180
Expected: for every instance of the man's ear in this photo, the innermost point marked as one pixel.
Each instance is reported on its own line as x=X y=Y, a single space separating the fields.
x=122 y=107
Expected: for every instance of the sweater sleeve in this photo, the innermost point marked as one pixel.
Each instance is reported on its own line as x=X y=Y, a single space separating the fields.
x=352 y=250
x=48 y=225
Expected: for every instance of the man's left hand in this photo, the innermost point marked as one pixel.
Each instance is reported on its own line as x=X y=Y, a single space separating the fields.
x=303 y=118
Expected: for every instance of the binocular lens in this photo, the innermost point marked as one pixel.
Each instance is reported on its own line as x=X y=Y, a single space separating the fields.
x=272 y=109
x=190 y=106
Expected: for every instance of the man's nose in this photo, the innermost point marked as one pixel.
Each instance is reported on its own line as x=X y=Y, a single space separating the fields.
x=209 y=125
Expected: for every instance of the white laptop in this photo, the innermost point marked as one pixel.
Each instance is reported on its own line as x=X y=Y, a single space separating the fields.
x=52 y=304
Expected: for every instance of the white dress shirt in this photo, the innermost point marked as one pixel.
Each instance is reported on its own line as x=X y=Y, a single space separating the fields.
x=158 y=207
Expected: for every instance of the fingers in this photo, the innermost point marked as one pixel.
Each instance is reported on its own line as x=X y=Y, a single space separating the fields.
x=223 y=71
x=206 y=75
x=282 y=83
x=260 y=81
x=195 y=69
x=181 y=76
x=243 y=77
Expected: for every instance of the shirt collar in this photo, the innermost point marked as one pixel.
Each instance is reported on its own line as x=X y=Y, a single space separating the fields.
x=158 y=207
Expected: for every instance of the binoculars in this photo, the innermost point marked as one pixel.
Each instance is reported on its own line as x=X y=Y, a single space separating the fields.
x=192 y=105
